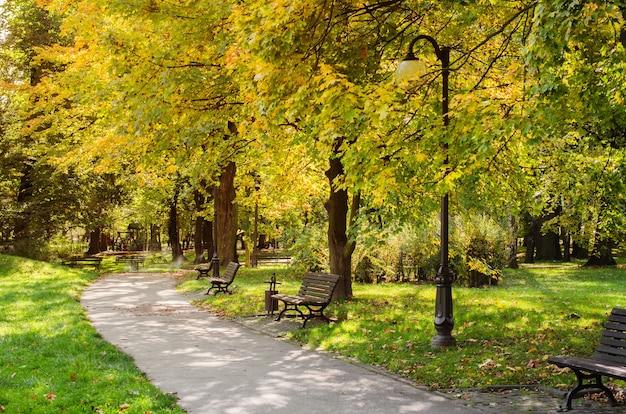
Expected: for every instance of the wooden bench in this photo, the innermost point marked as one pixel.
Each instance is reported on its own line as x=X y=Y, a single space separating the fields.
x=203 y=269
x=609 y=360
x=133 y=259
x=315 y=294
x=83 y=261
x=221 y=283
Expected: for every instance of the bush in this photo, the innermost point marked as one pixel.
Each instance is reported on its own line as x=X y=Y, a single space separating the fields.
x=480 y=250
x=404 y=256
x=310 y=250
x=477 y=254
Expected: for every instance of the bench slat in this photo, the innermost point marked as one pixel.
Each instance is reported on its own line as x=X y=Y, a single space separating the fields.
x=315 y=294
x=607 y=368
x=615 y=354
x=618 y=327
x=612 y=333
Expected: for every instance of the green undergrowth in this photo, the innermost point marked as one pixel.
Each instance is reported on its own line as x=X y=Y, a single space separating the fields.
x=504 y=333
x=51 y=359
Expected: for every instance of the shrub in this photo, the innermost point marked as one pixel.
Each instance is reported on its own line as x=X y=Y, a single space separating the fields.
x=310 y=250
x=480 y=250
x=402 y=256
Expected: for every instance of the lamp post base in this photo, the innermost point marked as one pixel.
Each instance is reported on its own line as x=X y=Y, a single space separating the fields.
x=443 y=341
x=215 y=264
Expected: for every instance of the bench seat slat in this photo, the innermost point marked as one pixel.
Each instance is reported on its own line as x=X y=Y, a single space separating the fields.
x=617 y=327
x=611 y=333
x=614 y=354
x=613 y=342
x=593 y=365
x=617 y=317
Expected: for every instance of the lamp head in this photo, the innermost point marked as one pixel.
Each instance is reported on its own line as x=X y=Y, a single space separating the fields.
x=410 y=69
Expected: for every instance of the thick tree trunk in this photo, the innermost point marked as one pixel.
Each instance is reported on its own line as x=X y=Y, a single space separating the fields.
x=540 y=246
x=199 y=228
x=579 y=252
x=207 y=237
x=227 y=216
x=602 y=254
x=340 y=249
x=172 y=229
x=155 y=239
x=94 y=241
x=547 y=246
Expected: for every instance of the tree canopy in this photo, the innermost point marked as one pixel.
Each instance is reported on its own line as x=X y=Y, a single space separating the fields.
x=297 y=102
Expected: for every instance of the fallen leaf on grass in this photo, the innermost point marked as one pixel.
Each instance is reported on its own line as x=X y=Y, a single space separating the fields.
x=124 y=407
x=488 y=364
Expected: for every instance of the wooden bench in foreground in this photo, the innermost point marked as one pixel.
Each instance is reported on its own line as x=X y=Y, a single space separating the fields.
x=315 y=294
x=609 y=361
x=221 y=283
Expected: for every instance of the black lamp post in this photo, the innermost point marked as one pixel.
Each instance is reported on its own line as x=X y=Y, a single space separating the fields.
x=411 y=68
x=215 y=260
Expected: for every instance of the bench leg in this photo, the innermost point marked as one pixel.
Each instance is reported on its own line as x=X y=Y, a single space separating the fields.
x=203 y=273
x=220 y=288
x=289 y=307
x=315 y=313
x=583 y=388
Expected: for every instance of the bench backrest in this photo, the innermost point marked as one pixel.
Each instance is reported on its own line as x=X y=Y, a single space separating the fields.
x=612 y=346
x=318 y=286
x=230 y=272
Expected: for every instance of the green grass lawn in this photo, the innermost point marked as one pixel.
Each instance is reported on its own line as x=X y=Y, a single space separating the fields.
x=51 y=359
x=504 y=333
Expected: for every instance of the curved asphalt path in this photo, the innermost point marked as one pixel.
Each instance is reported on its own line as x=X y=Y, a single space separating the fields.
x=217 y=366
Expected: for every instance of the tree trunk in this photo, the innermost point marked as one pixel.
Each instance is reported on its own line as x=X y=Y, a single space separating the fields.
x=566 y=247
x=94 y=241
x=547 y=246
x=602 y=254
x=340 y=249
x=512 y=262
x=529 y=240
x=540 y=246
x=207 y=237
x=155 y=239
x=579 y=252
x=227 y=216
x=172 y=229
x=199 y=228
x=22 y=228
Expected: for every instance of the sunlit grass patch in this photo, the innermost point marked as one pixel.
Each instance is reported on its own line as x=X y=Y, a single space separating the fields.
x=51 y=359
x=504 y=333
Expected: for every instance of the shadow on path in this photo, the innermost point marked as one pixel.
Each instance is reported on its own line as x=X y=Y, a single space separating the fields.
x=217 y=366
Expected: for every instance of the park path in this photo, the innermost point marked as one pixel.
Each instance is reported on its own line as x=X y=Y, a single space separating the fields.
x=218 y=366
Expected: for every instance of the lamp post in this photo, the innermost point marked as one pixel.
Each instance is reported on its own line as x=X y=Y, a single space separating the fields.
x=215 y=260
x=411 y=68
